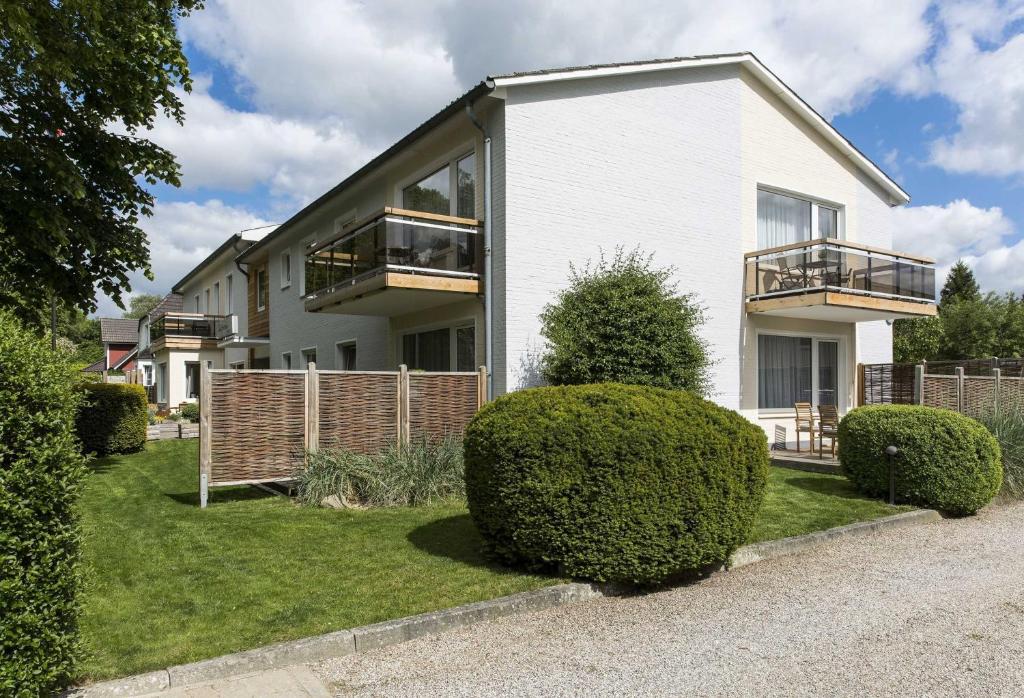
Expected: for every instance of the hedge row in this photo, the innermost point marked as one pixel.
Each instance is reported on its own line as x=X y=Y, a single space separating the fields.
x=113 y=418
x=40 y=474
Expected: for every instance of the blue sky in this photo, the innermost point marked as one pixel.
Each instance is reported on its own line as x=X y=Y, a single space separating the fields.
x=291 y=96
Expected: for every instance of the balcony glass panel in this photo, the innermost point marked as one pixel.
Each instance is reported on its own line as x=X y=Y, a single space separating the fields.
x=398 y=243
x=835 y=267
x=204 y=326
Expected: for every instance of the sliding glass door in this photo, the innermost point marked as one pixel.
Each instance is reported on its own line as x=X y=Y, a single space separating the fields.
x=796 y=369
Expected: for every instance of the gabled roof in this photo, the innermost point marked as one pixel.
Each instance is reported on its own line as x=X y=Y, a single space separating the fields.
x=171 y=303
x=98 y=366
x=126 y=358
x=492 y=82
x=119 y=330
x=236 y=242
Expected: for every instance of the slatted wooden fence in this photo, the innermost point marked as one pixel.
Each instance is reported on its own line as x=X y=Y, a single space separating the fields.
x=257 y=425
x=974 y=388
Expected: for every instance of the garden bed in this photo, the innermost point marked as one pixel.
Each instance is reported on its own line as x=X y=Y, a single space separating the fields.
x=169 y=583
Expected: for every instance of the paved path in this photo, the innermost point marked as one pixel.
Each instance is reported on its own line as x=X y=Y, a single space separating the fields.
x=931 y=610
x=293 y=682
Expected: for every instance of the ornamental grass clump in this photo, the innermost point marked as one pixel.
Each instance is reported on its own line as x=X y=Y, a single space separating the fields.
x=613 y=482
x=1007 y=425
x=420 y=472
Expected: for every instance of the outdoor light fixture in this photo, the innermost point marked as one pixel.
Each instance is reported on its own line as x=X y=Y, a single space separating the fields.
x=891 y=452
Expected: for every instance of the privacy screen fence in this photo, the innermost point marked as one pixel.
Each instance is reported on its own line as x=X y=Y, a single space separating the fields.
x=257 y=425
x=973 y=387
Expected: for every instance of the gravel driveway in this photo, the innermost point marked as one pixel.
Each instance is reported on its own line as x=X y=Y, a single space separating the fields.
x=936 y=609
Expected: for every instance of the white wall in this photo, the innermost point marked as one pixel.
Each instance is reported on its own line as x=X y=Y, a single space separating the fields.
x=176 y=359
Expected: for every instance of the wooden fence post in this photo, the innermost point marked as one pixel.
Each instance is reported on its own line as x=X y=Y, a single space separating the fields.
x=960 y=389
x=205 y=437
x=403 y=405
x=481 y=387
x=919 y=384
x=312 y=407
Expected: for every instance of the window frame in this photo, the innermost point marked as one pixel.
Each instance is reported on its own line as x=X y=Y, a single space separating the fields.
x=286 y=360
x=286 y=269
x=815 y=203
x=451 y=160
x=259 y=289
x=302 y=356
x=842 y=387
x=230 y=284
x=216 y=296
x=343 y=344
x=453 y=326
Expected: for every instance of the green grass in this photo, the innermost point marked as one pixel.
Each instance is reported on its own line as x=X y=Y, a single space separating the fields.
x=799 y=502
x=168 y=583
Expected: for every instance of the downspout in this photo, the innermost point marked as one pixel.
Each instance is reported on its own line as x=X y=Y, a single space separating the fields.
x=488 y=277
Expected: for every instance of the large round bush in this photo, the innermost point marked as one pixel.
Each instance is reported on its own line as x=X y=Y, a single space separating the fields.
x=946 y=460
x=613 y=482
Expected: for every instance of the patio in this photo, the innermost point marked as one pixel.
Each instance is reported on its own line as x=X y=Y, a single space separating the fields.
x=810 y=461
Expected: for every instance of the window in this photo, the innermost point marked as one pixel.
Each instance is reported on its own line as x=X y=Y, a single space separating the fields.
x=261 y=289
x=230 y=289
x=161 y=382
x=191 y=380
x=237 y=365
x=147 y=371
x=286 y=361
x=206 y=293
x=198 y=309
x=441 y=349
x=308 y=357
x=783 y=220
x=450 y=190
x=286 y=269
x=346 y=356
x=796 y=369
x=216 y=297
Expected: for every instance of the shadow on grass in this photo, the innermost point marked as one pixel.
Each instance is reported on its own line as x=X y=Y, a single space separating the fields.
x=101 y=465
x=220 y=496
x=833 y=488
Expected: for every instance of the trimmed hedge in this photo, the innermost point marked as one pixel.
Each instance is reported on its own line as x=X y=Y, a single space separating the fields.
x=113 y=418
x=613 y=482
x=40 y=475
x=946 y=461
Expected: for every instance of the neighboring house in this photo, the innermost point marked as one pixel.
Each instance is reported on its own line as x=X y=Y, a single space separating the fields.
x=171 y=303
x=207 y=321
x=442 y=252
x=119 y=337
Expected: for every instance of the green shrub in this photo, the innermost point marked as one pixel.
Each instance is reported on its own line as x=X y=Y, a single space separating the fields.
x=113 y=418
x=40 y=473
x=1007 y=425
x=190 y=411
x=421 y=472
x=613 y=482
x=946 y=460
x=624 y=322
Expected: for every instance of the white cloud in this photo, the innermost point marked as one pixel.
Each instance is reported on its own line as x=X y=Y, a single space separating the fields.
x=982 y=237
x=181 y=234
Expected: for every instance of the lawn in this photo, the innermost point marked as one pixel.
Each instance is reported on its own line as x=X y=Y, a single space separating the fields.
x=168 y=583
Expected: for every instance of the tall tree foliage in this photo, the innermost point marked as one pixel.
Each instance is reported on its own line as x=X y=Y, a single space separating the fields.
x=80 y=79
x=960 y=285
x=623 y=321
x=141 y=305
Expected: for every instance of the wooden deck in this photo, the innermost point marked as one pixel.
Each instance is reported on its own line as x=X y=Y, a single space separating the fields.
x=805 y=460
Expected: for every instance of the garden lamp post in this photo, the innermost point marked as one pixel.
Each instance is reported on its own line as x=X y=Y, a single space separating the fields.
x=891 y=452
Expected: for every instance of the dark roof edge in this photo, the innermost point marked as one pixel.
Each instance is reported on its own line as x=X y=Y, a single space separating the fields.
x=230 y=242
x=626 y=64
x=480 y=89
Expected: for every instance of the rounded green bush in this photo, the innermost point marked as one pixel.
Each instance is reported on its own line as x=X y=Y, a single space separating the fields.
x=41 y=470
x=613 y=482
x=113 y=418
x=946 y=461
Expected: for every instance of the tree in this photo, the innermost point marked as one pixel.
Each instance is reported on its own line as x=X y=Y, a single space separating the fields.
x=141 y=305
x=79 y=81
x=623 y=321
x=969 y=329
x=960 y=285
x=916 y=340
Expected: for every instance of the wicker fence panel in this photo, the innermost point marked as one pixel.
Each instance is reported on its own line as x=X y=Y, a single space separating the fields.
x=358 y=411
x=441 y=403
x=942 y=391
x=1011 y=393
x=978 y=395
x=888 y=384
x=257 y=425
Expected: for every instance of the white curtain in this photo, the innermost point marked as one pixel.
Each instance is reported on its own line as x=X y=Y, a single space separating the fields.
x=783 y=371
x=781 y=220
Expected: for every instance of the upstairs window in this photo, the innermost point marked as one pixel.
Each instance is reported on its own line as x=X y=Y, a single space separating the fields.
x=449 y=191
x=286 y=269
x=784 y=219
x=261 y=289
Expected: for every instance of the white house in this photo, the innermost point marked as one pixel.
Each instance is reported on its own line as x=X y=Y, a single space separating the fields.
x=441 y=252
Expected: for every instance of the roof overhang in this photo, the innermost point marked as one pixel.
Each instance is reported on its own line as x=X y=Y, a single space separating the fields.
x=748 y=61
x=236 y=341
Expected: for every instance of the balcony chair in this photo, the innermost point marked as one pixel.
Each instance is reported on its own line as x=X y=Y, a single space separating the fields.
x=804 y=423
x=828 y=426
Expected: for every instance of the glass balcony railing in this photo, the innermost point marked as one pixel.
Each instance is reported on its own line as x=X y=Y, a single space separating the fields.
x=188 y=325
x=832 y=265
x=402 y=242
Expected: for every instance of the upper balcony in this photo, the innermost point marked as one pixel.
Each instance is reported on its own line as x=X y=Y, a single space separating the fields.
x=188 y=330
x=395 y=262
x=840 y=281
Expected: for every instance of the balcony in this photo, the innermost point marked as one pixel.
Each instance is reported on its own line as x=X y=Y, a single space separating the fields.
x=395 y=262
x=839 y=281
x=190 y=330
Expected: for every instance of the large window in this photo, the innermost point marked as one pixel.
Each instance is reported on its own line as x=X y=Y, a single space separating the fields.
x=796 y=369
x=450 y=191
x=441 y=349
x=783 y=220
